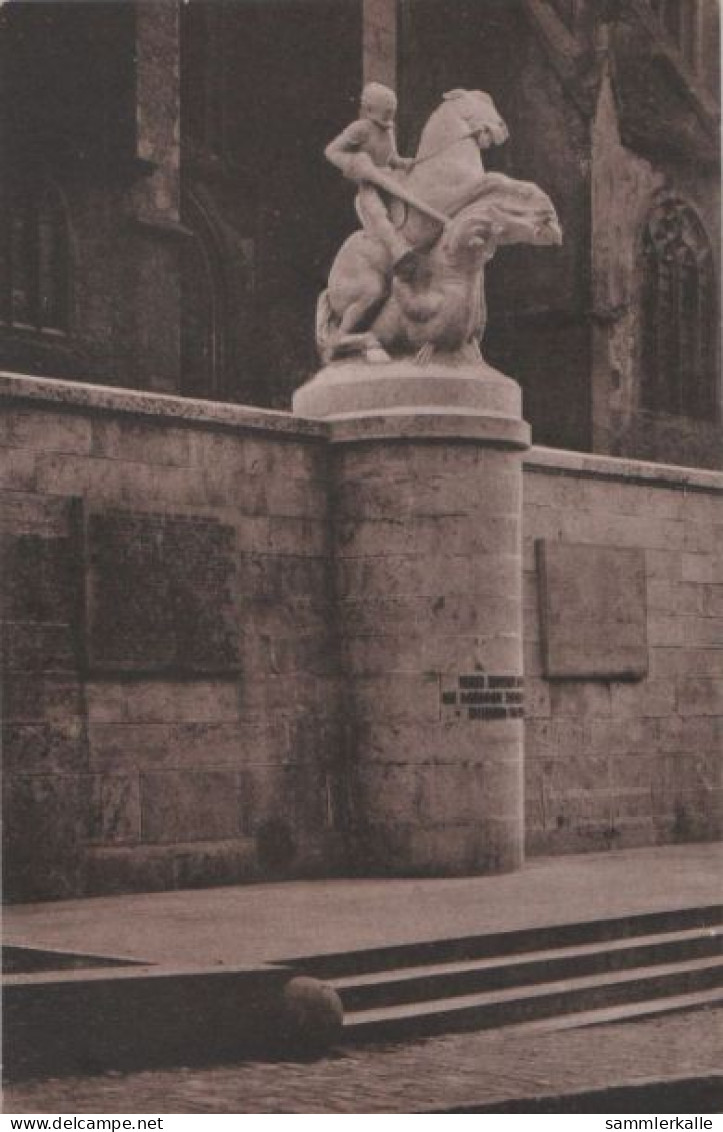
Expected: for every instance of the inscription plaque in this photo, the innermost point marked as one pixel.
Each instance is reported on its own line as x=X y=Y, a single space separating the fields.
x=484 y=696
x=592 y=611
x=161 y=593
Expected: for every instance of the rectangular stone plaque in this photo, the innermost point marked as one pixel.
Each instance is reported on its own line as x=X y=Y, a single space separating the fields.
x=160 y=593
x=592 y=611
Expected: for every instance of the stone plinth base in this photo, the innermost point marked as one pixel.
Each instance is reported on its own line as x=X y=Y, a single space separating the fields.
x=356 y=388
x=427 y=480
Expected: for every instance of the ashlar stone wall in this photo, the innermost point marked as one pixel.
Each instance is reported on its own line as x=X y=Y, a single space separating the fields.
x=624 y=683
x=169 y=677
x=174 y=701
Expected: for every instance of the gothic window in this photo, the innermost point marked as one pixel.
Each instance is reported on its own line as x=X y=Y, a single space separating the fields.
x=678 y=314
x=202 y=307
x=35 y=282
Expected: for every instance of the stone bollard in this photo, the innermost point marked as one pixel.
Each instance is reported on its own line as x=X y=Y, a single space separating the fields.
x=311 y=1017
x=427 y=483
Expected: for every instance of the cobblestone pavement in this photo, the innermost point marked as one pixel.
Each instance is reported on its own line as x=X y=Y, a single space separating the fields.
x=438 y=1073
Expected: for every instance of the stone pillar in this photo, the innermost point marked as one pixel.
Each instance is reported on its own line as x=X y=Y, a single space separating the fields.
x=379 y=41
x=154 y=283
x=427 y=482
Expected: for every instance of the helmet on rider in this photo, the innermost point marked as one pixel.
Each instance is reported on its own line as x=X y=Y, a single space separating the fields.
x=379 y=104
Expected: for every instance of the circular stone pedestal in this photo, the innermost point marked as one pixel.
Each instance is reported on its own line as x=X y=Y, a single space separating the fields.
x=354 y=388
x=427 y=481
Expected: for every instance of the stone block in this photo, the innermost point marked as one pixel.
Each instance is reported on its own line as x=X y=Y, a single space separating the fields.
x=552 y=491
x=422 y=798
x=186 y=701
x=702 y=771
x=200 y=805
x=25 y=514
x=711 y=600
x=126 y=746
x=690 y=816
x=648 y=699
x=207 y=864
x=669 y=662
x=45 y=748
x=537 y=698
x=115 y=815
x=486 y=847
x=631 y=804
x=701 y=695
x=700 y=538
x=310 y=653
x=580 y=698
x=704 y=633
x=397 y=696
x=373 y=656
x=578 y=810
x=556 y=737
x=241 y=454
x=575 y=775
x=280 y=803
x=298 y=536
x=633 y=772
x=297 y=497
x=45 y=830
x=304 y=575
x=41 y=648
x=621 y=736
x=697 y=567
x=46 y=431
x=593 y=611
x=144 y=442
x=681 y=598
x=68 y=474
x=588 y=838
x=106 y=701
x=366 y=497
x=666 y=565
x=458 y=738
x=680 y=734
x=220 y=485
x=42 y=578
x=117 y=869
x=161 y=593
x=670 y=632
x=18 y=469
x=31 y=697
x=154 y=485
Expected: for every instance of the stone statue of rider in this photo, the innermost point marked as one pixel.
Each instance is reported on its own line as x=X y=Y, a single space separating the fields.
x=363 y=151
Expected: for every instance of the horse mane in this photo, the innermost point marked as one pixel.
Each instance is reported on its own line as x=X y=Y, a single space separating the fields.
x=436 y=130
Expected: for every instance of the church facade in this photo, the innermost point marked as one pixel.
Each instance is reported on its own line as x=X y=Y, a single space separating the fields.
x=170 y=219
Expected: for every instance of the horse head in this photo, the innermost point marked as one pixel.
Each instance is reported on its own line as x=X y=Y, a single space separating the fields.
x=463 y=114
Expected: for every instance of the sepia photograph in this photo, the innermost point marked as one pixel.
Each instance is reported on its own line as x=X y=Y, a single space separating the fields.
x=361 y=482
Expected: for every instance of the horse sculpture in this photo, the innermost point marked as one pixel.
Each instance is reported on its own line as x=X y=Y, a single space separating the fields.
x=439 y=305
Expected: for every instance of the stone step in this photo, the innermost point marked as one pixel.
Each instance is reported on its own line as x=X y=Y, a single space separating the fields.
x=444 y=980
x=494 y=944
x=627 y=1011
x=491 y=1009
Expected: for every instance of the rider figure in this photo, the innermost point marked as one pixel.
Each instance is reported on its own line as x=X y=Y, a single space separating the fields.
x=363 y=147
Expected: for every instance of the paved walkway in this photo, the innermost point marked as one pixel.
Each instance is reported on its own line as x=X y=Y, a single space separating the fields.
x=441 y=1073
x=258 y=923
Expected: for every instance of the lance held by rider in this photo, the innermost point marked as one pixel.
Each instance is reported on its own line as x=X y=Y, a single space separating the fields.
x=366 y=153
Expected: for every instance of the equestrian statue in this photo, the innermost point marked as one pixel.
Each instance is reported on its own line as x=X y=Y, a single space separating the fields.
x=410 y=282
